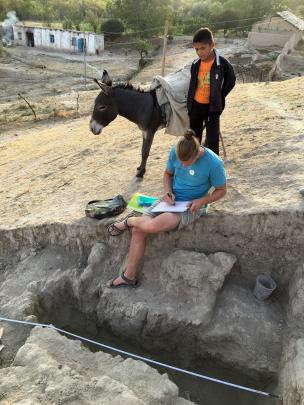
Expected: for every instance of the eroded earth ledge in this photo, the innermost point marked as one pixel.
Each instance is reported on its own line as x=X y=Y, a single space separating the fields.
x=194 y=309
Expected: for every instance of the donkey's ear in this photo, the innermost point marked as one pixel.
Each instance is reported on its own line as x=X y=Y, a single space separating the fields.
x=105 y=78
x=107 y=90
x=96 y=81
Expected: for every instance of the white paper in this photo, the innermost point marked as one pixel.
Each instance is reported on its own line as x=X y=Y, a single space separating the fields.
x=179 y=206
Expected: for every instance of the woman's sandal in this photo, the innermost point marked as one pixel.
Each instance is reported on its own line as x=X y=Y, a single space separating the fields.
x=127 y=282
x=113 y=228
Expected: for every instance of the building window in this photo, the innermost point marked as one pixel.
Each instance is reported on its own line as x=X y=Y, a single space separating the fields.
x=52 y=38
x=74 y=39
x=20 y=36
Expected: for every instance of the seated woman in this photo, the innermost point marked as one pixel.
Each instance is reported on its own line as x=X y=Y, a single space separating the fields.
x=190 y=173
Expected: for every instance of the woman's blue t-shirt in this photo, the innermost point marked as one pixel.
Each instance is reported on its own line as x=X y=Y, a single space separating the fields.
x=195 y=181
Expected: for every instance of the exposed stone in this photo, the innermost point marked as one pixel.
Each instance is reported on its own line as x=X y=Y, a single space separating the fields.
x=182 y=296
x=243 y=323
x=292 y=371
x=292 y=374
x=296 y=300
x=194 y=279
x=52 y=369
x=181 y=292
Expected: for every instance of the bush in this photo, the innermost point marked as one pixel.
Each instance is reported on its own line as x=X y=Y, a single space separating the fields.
x=112 y=28
x=86 y=26
x=67 y=24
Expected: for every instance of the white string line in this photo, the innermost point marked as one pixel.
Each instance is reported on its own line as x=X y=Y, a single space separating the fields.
x=50 y=326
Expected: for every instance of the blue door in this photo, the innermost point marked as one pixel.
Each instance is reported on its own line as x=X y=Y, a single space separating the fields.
x=80 y=44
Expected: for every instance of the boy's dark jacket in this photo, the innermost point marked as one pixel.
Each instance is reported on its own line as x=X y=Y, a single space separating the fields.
x=222 y=81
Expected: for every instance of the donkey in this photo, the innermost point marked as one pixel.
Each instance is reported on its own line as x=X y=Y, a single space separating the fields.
x=136 y=105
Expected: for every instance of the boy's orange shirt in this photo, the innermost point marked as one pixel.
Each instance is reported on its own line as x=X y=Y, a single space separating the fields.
x=202 y=93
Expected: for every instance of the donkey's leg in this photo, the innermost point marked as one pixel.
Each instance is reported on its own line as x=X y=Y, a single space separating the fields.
x=146 y=146
x=144 y=135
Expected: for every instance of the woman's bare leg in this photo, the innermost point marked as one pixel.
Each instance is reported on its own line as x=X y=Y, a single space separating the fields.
x=163 y=222
x=141 y=227
x=136 y=252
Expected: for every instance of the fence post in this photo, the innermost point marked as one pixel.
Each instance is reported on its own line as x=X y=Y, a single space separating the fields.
x=85 y=61
x=165 y=47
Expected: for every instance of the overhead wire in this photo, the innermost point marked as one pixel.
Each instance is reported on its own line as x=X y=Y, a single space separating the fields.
x=238 y=27
x=163 y=26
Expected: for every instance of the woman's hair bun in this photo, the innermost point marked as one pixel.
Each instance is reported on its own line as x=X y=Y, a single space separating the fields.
x=189 y=134
x=188 y=146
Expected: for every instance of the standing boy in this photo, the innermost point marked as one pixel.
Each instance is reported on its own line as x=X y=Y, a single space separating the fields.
x=212 y=79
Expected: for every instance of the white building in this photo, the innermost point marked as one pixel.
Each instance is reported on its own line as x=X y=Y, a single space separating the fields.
x=58 y=39
x=275 y=30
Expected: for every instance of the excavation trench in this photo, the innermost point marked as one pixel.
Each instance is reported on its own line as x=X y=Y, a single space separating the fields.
x=197 y=390
x=55 y=273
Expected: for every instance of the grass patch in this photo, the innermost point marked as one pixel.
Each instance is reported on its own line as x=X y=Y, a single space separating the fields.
x=21 y=107
x=46 y=110
x=26 y=113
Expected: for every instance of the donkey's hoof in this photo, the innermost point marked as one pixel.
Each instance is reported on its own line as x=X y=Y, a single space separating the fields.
x=140 y=173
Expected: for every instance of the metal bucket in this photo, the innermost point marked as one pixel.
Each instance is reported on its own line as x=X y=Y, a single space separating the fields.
x=264 y=287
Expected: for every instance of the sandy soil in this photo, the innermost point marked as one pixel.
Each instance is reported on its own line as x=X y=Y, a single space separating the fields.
x=49 y=171
x=34 y=72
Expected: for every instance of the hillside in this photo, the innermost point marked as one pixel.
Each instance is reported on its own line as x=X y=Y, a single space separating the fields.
x=50 y=170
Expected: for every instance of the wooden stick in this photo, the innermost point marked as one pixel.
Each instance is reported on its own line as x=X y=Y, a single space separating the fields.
x=164 y=48
x=222 y=142
x=223 y=145
x=28 y=105
x=77 y=105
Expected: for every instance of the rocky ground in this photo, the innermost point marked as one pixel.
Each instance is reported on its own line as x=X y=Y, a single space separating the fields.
x=55 y=262
x=50 y=369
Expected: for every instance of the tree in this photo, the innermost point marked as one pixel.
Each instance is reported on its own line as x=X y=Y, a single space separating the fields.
x=4 y=8
x=143 y=47
x=112 y=28
x=225 y=18
x=201 y=9
x=301 y=11
x=145 y=18
x=67 y=24
x=93 y=19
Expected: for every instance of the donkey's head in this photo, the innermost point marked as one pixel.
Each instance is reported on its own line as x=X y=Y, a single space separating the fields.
x=105 y=108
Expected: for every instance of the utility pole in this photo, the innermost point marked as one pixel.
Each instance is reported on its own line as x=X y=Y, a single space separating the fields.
x=165 y=47
x=85 y=61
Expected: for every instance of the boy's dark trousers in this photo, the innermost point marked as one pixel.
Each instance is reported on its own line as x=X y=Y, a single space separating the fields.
x=200 y=118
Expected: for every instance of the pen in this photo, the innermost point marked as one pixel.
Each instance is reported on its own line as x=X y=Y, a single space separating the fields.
x=171 y=196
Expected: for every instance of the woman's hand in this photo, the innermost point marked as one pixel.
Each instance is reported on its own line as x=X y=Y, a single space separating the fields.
x=195 y=205
x=169 y=198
